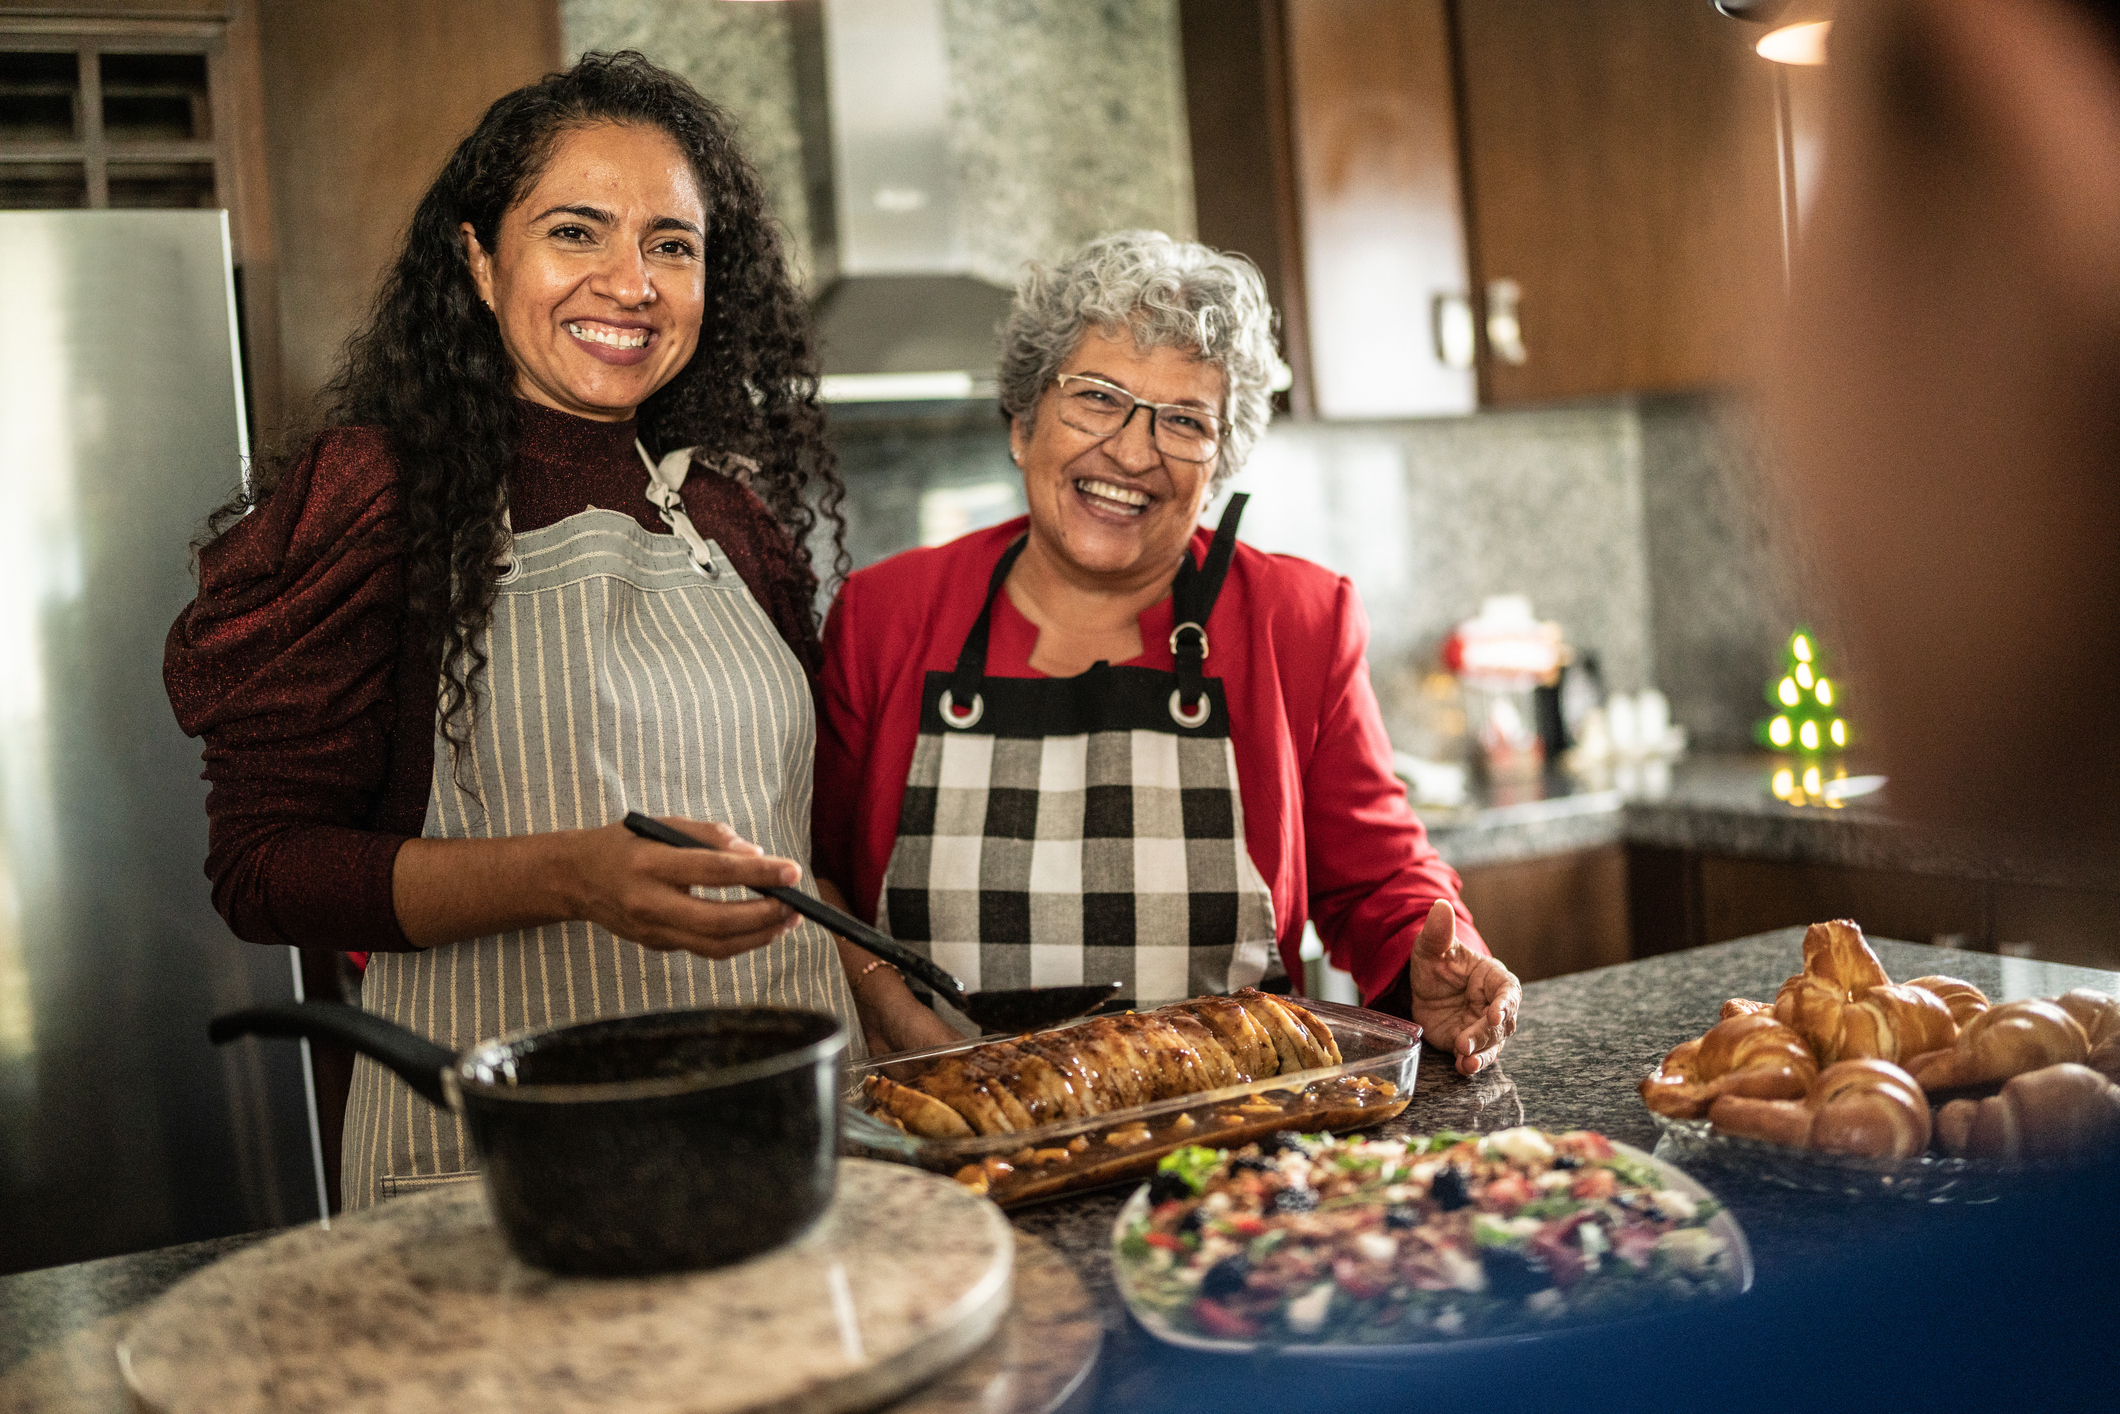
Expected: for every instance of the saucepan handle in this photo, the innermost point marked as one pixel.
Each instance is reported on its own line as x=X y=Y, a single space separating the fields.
x=415 y=1058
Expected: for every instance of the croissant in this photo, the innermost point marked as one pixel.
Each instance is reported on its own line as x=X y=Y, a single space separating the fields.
x=1965 y=1000
x=1870 y=1108
x=2099 y=1016
x=2057 y=1112
x=1754 y=1056
x=1738 y=1006
x=2001 y=1042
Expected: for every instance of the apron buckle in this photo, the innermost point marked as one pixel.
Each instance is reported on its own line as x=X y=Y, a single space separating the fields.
x=1196 y=628
x=978 y=710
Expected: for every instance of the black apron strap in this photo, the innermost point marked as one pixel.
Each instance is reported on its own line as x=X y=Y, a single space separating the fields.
x=961 y=703
x=1192 y=599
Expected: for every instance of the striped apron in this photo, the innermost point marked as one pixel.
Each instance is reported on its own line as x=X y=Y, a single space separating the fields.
x=625 y=670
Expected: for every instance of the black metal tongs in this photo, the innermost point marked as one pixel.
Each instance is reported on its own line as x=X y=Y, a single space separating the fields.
x=1008 y=1010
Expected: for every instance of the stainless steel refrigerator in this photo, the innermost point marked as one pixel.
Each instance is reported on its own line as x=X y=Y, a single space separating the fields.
x=121 y=426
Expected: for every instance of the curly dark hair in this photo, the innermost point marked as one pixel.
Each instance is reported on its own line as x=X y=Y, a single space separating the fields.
x=429 y=368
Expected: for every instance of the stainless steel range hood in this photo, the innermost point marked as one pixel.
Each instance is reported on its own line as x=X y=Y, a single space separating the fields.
x=904 y=320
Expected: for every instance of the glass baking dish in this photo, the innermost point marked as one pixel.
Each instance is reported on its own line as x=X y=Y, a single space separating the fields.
x=1379 y=1058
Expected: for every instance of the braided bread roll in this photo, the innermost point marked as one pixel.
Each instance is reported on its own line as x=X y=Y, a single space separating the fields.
x=1869 y=1108
x=1754 y=1056
x=1884 y=1022
x=1738 y=1006
x=2099 y=1016
x=1965 y=1000
x=1846 y=1008
x=2056 y=1113
x=2001 y=1042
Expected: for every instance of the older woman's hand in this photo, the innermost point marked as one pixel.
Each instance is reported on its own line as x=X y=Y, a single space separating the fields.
x=1465 y=1002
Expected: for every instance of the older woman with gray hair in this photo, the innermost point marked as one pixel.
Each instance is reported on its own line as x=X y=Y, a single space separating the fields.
x=1101 y=742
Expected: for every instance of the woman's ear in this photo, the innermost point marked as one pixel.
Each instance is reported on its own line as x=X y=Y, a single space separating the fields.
x=481 y=264
x=1018 y=439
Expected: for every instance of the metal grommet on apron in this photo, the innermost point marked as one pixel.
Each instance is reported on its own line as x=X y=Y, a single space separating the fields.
x=1066 y=830
x=625 y=670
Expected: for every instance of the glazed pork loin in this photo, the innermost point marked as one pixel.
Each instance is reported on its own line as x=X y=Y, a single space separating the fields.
x=1106 y=1064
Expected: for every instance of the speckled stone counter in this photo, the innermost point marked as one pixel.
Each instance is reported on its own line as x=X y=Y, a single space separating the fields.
x=1584 y=1042
x=1722 y=805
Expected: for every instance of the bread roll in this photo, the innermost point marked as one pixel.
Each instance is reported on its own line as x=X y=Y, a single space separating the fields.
x=2001 y=1042
x=1754 y=1056
x=1738 y=1006
x=2095 y=1012
x=1846 y=1008
x=1965 y=1000
x=2059 y=1112
x=1869 y=1108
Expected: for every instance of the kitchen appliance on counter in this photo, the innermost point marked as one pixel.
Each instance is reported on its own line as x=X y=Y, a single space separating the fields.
x=121 y=426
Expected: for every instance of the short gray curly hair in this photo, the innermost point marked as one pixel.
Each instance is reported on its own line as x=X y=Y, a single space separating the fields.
x=1170 y=294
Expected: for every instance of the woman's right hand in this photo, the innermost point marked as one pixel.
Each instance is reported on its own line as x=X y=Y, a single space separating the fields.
x=447 y=891
x=641 y=890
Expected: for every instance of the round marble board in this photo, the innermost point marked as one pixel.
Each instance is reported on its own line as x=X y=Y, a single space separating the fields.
x=417 y=1305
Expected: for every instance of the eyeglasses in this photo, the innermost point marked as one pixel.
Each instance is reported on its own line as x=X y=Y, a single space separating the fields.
x=1180 y=430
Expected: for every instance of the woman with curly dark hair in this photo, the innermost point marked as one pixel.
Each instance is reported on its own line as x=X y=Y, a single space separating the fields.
x=546 y=563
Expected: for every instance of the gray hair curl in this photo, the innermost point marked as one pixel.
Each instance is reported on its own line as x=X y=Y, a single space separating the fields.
x=1169 y=294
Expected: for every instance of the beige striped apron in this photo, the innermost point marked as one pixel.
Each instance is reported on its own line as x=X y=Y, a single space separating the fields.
x=625 y=670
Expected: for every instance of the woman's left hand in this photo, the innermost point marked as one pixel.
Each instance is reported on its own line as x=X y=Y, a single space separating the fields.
x=1465 y=1002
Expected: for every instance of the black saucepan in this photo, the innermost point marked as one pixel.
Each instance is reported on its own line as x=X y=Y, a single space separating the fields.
x=664 y=1142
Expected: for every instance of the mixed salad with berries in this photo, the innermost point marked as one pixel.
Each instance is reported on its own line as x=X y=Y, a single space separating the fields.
x=1304 y=1238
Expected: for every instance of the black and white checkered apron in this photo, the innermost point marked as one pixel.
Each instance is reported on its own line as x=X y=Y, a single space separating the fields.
x=1084 y=829
x=624 y=671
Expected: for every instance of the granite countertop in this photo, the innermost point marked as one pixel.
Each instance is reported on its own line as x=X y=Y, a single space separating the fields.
x=1584 y=1042
x=1723 y=804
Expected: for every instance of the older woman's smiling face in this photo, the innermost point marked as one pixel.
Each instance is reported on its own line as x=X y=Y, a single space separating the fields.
x=1115 y=510
x=597 y=276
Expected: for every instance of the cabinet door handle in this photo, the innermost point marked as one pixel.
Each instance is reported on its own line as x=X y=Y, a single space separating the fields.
x=1456 y=332
x=1505 y=330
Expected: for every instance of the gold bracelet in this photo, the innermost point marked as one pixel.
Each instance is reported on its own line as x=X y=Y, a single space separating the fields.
x=874 y=963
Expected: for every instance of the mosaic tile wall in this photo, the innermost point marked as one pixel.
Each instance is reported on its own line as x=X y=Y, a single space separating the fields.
x=741 y=56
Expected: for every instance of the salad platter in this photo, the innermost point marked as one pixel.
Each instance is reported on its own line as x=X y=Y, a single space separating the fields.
x=1305 y=1245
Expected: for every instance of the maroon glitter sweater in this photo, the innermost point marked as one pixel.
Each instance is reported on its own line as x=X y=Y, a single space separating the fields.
x=316 y=704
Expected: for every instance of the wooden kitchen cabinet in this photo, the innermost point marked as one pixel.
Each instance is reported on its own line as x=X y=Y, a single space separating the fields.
x=1559 y=914
x=1580 y=198
x=1682 y=899
x=1621 y=174
x=1374 y=156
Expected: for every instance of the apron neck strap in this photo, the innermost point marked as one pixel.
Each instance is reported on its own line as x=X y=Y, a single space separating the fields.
x=1192 y=601
x=971 y=659
x=1193 y=595
x=666 y=480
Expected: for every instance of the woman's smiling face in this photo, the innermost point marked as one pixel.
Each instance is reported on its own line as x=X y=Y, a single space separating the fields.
x=1115 y=509
x=597 y=275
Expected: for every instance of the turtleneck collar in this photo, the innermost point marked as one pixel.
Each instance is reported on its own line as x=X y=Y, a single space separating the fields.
x=549 y=435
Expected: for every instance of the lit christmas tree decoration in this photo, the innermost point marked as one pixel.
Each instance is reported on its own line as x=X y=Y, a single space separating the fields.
x=1807 y=718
